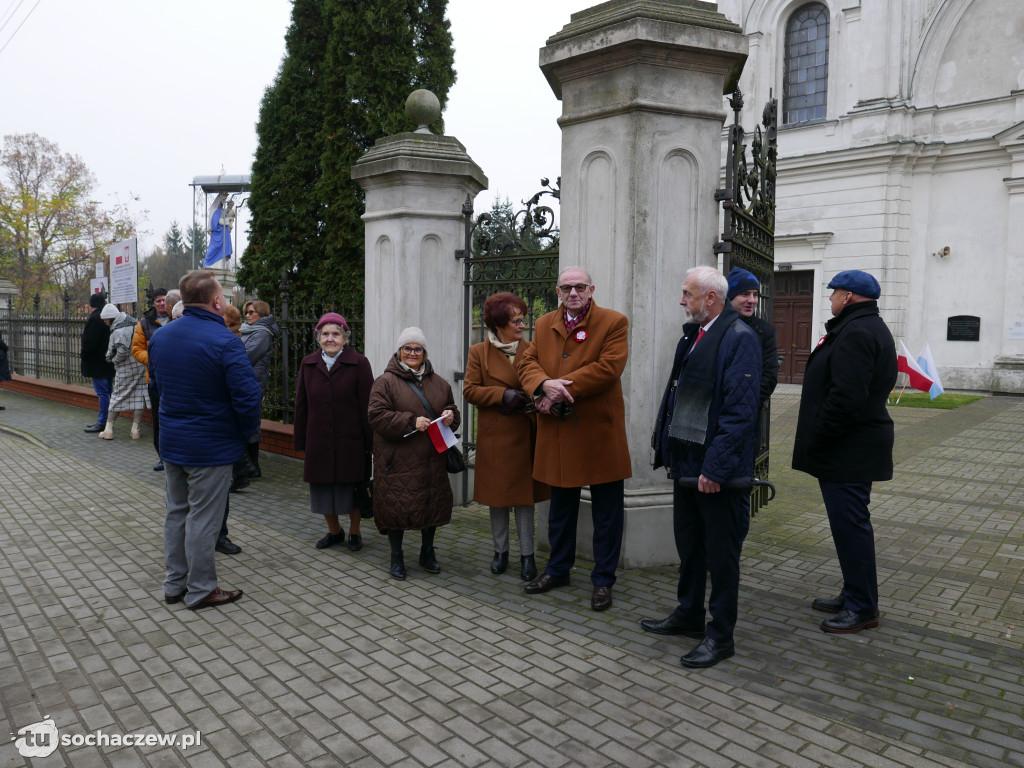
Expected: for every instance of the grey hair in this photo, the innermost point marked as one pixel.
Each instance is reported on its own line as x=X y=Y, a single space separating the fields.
x=173 y=297
x=177 y=310
x=590 y=280
x=710 y=279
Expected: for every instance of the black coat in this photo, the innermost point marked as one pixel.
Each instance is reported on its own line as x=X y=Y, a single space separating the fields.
x=844 y=432
x=769 y=354
x=5 y=367
x=95 y=338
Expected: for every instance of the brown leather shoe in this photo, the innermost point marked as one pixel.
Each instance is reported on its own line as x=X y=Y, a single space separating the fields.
x=171 y=599
x=546 y=582
x=218 y=598
x=602 y=599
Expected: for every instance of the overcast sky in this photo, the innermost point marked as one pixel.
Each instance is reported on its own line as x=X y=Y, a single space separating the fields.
x=151 y=94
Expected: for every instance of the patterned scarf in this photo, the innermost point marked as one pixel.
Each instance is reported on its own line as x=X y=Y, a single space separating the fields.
x=570 y=325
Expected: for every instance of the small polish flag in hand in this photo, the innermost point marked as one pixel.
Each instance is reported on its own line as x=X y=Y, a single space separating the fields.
x=441 y=436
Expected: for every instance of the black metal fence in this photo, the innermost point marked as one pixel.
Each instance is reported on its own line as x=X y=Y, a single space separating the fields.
x=46 y=343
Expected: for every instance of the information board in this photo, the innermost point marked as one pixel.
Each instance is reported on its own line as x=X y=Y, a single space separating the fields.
x=124 y=272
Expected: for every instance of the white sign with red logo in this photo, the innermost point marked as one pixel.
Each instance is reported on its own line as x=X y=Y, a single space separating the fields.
x=124 y=272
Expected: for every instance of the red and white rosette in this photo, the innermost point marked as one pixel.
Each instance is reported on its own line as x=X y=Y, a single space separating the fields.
x=581 y=335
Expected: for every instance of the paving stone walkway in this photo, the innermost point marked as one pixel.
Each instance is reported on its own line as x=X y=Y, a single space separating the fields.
x=327 y=662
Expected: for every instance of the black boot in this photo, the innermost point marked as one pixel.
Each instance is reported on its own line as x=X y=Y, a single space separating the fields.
x=253 y=452
x=528 y=571
x=397 y=569
x=500 y=562
x=429 y=561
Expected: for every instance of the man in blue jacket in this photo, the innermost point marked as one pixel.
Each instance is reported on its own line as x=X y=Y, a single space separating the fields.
x=704 y=435
x=209 y=406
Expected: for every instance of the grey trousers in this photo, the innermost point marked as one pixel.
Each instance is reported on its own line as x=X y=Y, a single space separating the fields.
x=195 y=510
x=524 y=525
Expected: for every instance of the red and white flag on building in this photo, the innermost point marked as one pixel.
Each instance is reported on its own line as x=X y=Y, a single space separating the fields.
x=906 y=363
x=441 y=436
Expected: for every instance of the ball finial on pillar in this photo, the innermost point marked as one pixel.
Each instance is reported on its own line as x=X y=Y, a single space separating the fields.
x=423 y=108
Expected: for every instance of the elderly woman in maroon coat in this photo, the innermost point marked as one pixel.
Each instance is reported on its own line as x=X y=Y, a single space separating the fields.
x=411 y=491
x=331 y=426
x=506 y=431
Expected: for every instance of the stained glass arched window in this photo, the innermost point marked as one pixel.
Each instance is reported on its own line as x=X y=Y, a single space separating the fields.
x=805 y=71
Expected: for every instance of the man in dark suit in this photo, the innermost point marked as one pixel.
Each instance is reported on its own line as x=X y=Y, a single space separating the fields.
x=844 y=437
x=704 y=435
x=95 y=337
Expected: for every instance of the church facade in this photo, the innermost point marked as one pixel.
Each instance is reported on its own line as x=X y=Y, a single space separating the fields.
x=901 y=152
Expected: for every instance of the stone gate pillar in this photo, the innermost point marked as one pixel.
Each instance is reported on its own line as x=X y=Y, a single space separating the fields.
x=416 y=184
x=641 y=85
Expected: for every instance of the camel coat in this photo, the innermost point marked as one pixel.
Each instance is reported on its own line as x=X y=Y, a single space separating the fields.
x=411 y=490
x=594 y=449
x=504 y=442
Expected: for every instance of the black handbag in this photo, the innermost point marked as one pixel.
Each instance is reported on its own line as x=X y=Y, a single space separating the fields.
x=362 y=498
x=453 y=456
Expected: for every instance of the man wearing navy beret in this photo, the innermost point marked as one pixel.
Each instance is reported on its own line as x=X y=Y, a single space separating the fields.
x=844 y=438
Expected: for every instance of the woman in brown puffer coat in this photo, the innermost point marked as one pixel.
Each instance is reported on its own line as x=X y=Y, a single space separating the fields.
x=411 y=490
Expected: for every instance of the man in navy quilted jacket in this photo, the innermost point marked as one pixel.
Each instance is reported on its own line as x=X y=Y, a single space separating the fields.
x=704 y=435
x=209 y=406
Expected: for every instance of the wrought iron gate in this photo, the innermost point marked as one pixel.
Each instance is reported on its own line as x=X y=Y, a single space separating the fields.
x=517 y=252
x=748 y=237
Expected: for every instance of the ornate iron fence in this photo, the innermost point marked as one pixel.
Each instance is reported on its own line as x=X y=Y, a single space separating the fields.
x=519 y=254
x=748 y=237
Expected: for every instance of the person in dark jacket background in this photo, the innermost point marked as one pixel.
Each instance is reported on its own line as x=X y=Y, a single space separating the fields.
x=157 y=316
x=411 y=490
x=744 y=294
x=209 y=406
x=705 y=432
x=259 y=331
x=844 y=437
x=332 y=395
x=5 y=366
x=95 y=338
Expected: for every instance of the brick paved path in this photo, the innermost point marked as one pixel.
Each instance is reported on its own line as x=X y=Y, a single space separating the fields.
x=327 y=662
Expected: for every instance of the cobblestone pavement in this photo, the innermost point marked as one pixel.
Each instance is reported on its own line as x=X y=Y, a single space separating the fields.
x=327 y=662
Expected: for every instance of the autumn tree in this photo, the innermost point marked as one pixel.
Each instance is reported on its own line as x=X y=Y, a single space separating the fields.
x=51 y=231
x=348 y=69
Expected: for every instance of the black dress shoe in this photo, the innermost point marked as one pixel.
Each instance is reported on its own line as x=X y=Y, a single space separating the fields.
x=847 y=622
x=528 y=568
x=227 y=546
x=546 y=582
x=707 y=654
x=355 y=542
x=331 y=539
x=829 y=604
x=429 y=561
x=673 y=626
x=172 y=599
x=97 y=427
x=500 y=562
x=602 y=598
x=158 y=467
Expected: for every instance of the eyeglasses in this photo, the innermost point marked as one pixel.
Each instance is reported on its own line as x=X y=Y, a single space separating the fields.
x=413 y=350
x=250 y=312
x=580 y=288
x=520 y=321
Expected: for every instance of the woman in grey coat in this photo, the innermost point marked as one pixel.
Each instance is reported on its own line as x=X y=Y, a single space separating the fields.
x=258 y=332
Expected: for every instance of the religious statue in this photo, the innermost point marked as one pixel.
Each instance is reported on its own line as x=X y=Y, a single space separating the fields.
x=221 y=223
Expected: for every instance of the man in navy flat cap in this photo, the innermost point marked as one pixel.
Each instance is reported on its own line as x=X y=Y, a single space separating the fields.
x=844 y=438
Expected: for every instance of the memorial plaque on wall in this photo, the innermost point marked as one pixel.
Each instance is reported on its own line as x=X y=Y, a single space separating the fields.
x=963 y=328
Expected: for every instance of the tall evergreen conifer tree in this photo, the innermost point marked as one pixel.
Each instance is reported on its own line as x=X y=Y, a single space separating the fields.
x=349 y=67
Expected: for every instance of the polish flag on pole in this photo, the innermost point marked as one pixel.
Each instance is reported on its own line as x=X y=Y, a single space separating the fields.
x=927 y=363
x=441 y=436
x=905 y=363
